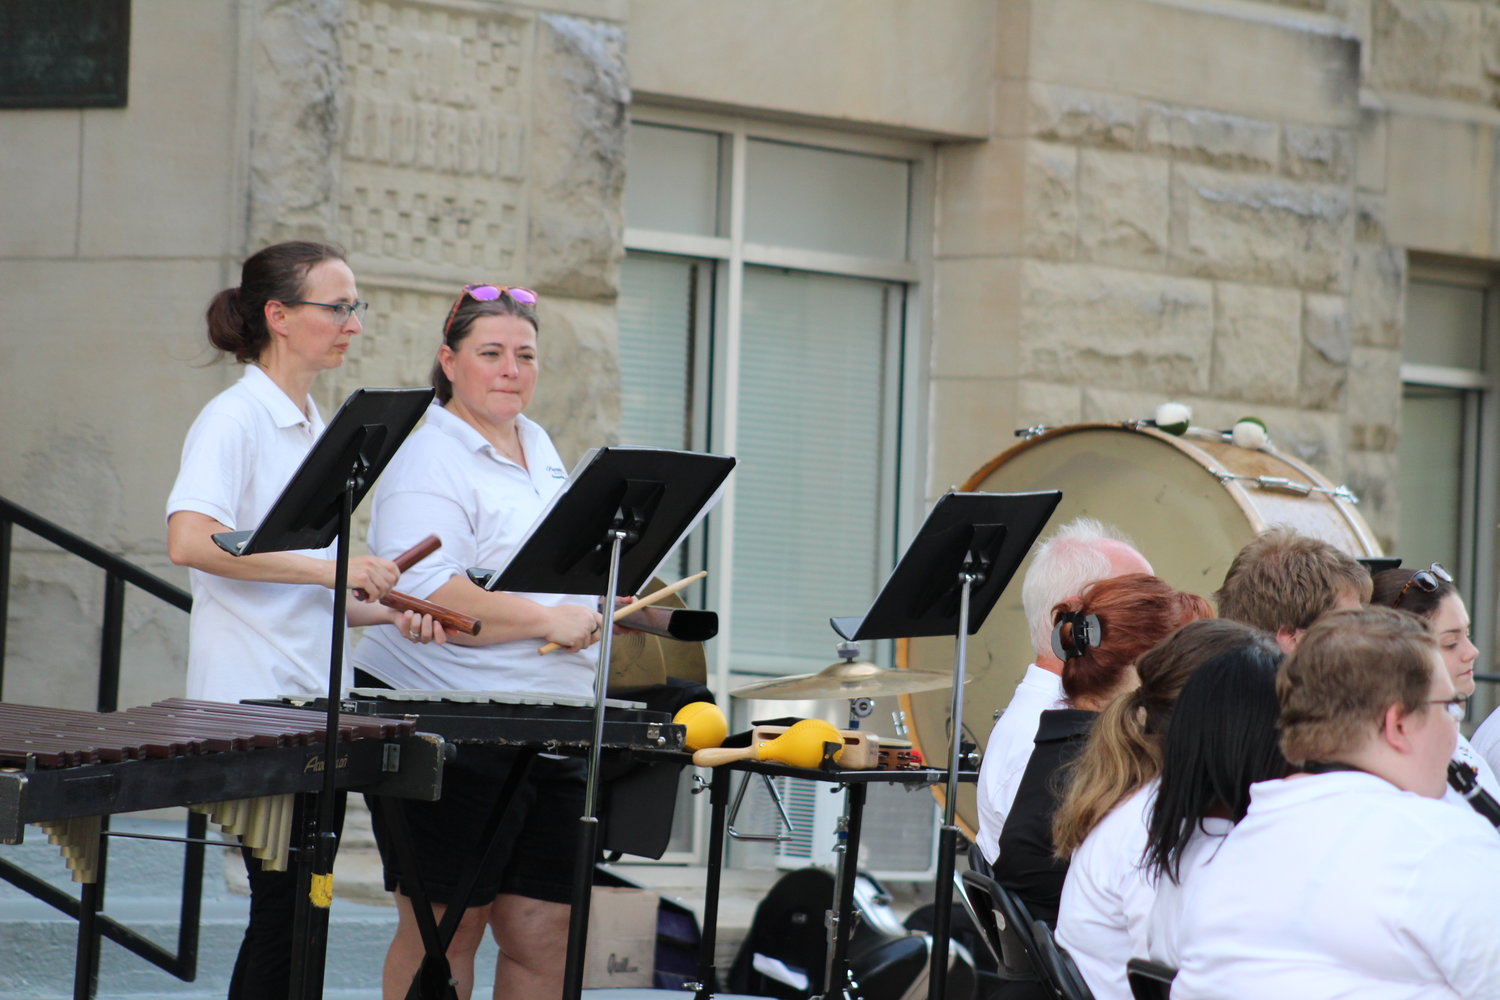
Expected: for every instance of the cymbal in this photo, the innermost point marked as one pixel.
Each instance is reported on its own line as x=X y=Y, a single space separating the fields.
x=845 y=679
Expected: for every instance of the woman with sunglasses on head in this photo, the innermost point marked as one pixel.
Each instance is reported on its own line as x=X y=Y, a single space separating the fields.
x=261 y=624
x=1430 y=595
x=478 y=473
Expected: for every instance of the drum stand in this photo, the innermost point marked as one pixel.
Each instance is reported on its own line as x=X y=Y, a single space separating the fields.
x=946 y=584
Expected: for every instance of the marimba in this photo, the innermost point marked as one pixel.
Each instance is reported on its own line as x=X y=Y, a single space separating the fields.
x=64 y=769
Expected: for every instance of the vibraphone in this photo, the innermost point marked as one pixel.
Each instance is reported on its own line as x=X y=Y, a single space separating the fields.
x=532 y=724
x=502 y=718
x=64 y=769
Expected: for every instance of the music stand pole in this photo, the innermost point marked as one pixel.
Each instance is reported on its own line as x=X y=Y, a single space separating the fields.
x=588 y=823
x=314 y=510
x=947 y=582
x=942 y=905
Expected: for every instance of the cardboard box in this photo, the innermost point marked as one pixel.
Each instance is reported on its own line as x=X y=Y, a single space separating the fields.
x=622 y=938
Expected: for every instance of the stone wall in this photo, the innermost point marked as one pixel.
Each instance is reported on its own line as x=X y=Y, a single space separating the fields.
x=440 y=141
x=1177 y=216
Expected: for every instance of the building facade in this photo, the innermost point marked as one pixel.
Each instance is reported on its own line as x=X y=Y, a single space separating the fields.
x=853 y=242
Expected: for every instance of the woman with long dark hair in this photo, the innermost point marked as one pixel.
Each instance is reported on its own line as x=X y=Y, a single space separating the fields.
x=1223 y=739
x=1101 y=825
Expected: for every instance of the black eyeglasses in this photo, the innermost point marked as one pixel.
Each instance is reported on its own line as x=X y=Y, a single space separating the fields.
x=341 y=310
x=1426 y=580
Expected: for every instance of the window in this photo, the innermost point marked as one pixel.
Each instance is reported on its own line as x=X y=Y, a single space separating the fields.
x=767 y=310
x=1445 y=454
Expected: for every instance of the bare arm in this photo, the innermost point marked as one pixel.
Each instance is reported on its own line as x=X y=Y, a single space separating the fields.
x=508 y=617
x=190 y=543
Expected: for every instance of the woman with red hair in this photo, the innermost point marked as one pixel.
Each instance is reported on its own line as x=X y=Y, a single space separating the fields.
x=1098 y=636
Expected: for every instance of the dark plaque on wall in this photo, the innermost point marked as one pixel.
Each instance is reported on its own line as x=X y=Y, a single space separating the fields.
x=64 y=53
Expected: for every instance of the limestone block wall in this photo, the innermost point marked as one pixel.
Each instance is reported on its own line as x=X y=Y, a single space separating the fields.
x=440 y=141
x=1170 y=209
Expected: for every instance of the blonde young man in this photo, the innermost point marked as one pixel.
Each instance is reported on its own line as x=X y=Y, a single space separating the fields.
x=1282 y=582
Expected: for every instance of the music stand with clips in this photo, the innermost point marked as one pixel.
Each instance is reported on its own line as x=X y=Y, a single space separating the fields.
x=313 y=510
x=617 y=518
x=947 y=583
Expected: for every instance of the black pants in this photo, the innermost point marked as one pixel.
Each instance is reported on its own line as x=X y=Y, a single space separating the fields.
x=263 y=969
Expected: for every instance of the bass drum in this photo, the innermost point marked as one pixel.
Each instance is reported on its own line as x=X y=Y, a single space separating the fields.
x=1190 y=504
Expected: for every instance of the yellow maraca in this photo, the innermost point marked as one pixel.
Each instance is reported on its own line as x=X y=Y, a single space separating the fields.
x=802 y=745
x=705 y=724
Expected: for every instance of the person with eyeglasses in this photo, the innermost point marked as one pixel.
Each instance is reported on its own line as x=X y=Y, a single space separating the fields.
x=261 y=624
x=1350 y=877
x=478 y=473
x=1430 y=595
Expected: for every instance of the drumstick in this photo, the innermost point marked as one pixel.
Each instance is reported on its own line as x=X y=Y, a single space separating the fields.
x=640 y=602
x=454 y=621
x=410 y=558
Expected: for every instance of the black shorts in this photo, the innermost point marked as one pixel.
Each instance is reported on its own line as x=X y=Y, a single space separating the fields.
x=535 y=841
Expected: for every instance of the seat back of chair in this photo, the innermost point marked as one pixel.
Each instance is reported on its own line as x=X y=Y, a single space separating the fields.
x=1149 y=980
x=1058 y=967
x=1006 y=926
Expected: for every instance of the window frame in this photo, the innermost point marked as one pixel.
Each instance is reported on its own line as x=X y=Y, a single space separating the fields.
x=731 y=254
x=1480 y=389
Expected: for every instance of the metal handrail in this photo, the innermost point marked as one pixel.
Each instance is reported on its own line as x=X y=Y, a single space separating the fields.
x=183 y=963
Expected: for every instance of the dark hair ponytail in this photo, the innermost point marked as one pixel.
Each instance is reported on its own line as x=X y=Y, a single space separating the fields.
x=1223 y=739
x=237 y=316
x=470 y=309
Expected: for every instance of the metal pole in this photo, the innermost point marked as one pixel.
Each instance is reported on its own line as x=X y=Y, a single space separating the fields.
x=588 y=824
x=942 y=903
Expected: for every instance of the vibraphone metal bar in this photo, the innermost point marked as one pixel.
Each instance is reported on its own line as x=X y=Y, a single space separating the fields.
x=501 y=718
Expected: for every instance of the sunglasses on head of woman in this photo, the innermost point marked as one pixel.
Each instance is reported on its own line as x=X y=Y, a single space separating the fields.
x=488 y=293
x=1426 y=580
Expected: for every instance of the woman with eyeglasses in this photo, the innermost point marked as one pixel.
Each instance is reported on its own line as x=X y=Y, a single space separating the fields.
x=1430 y=595
x=478 y=473
x=261 y=624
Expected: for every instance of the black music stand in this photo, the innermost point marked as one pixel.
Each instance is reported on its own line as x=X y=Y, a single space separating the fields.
x=946 y=584
x=314 y=509
x=621 y=512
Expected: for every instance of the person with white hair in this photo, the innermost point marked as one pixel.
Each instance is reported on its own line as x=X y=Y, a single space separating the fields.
x=1079 y=553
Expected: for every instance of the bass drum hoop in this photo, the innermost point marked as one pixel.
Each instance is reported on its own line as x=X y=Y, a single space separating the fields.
x=1095 y=465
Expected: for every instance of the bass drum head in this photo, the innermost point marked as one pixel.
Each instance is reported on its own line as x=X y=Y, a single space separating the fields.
x=1170 y=496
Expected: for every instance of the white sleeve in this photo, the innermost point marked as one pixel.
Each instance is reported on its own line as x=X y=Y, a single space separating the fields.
x=412 y=501
x=215 y=470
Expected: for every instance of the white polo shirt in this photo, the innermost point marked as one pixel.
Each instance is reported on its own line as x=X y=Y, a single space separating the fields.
x=248 y=639
x=1164 y=926
x=1007 y=751
x=1342 y=885
x=449 y=481
x=1107 y=897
